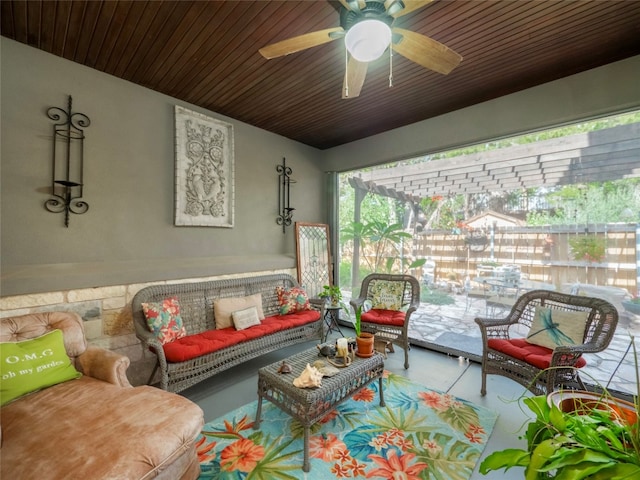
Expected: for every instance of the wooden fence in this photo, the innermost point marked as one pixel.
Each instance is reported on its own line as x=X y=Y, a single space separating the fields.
x=543 y=254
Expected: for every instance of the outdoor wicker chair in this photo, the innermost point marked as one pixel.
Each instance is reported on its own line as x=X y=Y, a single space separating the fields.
x=394 y=299
x=509 y=349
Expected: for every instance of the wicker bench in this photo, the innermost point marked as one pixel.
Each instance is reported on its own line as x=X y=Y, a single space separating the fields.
x=197 y=312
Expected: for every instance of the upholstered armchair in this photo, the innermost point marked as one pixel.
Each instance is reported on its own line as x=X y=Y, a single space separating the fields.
x=89 y=422
x=541 y=341
x=394 y=298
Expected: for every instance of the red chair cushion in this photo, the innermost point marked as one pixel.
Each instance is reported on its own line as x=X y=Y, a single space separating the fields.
x=535 y=355
x=385 y=317
x=192 y=346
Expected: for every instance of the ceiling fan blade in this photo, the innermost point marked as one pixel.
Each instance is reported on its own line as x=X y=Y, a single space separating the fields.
x=301 y=42
x=354 y=78
x=409 y=6
x=354 y=5
x=425 y=51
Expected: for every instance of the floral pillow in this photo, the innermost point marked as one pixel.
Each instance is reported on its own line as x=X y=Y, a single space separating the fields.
x=554 y=328
x=292 y=300
x=386 y=295
x=164 y=320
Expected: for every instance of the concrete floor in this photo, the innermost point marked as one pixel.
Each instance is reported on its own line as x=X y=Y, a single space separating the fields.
x=457 y=376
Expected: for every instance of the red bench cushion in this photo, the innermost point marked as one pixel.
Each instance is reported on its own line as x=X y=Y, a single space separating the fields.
x=386 y=317
x=192 y=346
x=535 y=355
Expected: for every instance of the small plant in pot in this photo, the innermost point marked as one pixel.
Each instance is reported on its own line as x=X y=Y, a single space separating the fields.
x=333 y=295
x=577 y=435
x=364 y=340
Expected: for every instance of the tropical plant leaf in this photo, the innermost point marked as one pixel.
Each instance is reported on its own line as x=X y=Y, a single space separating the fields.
x=274 y=464
x=359 y=442
x=449 y=459
x=459 y=416
x=507 y=458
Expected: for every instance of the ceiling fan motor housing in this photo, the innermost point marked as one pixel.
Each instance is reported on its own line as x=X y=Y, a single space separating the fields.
x=373 y=10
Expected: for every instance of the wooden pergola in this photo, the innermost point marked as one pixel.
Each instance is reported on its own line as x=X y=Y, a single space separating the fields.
x=598 y=156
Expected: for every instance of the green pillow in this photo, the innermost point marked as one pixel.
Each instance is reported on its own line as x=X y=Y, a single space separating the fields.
x=33 y=364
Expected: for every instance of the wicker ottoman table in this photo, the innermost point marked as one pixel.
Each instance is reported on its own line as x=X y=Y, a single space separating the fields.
x=309 y=405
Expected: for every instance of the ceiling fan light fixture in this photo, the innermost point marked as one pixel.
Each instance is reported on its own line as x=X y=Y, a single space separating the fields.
x=367 y=40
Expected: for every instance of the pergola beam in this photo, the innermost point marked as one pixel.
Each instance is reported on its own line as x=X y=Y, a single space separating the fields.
x=602 y=155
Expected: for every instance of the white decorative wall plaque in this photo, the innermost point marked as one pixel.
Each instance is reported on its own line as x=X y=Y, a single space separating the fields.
x=204 y=170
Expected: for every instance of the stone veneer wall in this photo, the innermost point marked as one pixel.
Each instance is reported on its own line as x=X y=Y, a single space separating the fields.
x=107 y=316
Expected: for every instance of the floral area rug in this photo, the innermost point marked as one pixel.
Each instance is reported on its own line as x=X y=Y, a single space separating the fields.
x=419 y=434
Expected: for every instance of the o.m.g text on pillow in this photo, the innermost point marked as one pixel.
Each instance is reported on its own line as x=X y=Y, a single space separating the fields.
x=386 y=295
x=554 y=328
x=245 y=318
x=164 y=320
x=292 y=300
x=224 y=307
x=33 y=364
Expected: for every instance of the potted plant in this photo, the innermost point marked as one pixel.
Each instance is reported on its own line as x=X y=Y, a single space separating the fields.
x=577 y=435
x=364 y=340
x=333 y=295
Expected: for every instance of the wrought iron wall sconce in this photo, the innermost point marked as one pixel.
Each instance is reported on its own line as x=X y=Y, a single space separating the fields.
x=285 y=210
x=67 y=162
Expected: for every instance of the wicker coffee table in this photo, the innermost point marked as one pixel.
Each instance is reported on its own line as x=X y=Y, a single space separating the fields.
x=309 y=405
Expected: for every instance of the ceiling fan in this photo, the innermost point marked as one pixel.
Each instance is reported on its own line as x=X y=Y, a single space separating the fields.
x=367 y=27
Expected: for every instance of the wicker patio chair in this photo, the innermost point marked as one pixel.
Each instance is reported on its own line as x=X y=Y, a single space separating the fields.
x=506 y=351
x=390 y=324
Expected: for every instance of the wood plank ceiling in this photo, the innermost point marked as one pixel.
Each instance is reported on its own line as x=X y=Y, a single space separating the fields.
x=206 y=53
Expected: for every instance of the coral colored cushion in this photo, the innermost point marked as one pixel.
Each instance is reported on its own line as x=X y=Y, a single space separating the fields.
x=535 y=355
x=34 y=364
x=555 y=328
x=387 y=317
x=224 y=307
x=210 y=341
x=292 y=300
x=386 y=295
x=164 y=320
x=245 y=318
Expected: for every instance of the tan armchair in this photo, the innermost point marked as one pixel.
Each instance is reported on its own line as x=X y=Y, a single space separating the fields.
x=97 y=426
x=392 y=325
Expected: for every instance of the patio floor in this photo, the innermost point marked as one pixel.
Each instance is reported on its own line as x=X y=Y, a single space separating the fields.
x=451 y=329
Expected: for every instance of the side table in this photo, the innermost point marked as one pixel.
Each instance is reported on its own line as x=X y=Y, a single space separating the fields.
x=331 y=316
x=310 y=405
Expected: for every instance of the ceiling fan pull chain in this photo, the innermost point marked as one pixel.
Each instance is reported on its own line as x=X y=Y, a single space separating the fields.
x=346 y=72
x=390 y=66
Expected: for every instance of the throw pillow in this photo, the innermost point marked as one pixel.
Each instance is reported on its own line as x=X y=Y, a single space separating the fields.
x=245 y=318
x=164 y=320
x=386 y=295
x=554 y=328
x=292 y=300
x=34 y=364
x=224 y=307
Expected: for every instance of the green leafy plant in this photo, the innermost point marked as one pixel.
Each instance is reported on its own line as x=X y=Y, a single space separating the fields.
x=599 y=440
x=359 y=310
x=333 y=294
x=382 y=241
x=588 y=247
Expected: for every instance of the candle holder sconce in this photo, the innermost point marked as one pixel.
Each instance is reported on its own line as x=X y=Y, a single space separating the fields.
x=67 y=162
x=285 y=210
